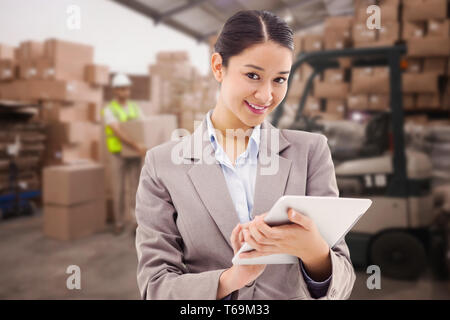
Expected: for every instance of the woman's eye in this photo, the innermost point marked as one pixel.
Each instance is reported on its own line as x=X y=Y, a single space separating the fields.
x=253 y=76
x=280 y=80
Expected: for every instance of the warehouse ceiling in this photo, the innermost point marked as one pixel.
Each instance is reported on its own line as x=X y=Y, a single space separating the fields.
x=201 y=19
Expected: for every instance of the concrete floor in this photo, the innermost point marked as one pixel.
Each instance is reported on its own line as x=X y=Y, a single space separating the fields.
x=34 y=267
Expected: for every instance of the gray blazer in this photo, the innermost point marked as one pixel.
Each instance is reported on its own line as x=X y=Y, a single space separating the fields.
x=185 y=216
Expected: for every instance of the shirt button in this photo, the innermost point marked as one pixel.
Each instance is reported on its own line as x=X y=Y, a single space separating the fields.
x=250 y=284
x=333 y=293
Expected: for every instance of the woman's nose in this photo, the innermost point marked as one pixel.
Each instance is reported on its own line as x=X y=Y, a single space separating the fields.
x=264 y=94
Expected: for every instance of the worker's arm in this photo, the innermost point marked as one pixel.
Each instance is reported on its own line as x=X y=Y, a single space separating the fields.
x=115 y=127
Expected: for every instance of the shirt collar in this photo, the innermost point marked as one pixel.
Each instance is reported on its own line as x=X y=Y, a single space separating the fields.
x=252 y=147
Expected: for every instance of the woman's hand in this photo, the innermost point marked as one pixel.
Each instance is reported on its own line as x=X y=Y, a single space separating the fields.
x=301 y=239
x=237 y=276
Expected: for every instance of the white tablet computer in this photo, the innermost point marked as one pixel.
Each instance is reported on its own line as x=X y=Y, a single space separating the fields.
x=334 y=218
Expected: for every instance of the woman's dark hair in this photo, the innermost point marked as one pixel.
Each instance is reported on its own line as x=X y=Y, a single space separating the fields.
x=248 y=27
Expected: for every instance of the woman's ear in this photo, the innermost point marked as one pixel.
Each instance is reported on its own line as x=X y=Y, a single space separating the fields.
x=217 y=67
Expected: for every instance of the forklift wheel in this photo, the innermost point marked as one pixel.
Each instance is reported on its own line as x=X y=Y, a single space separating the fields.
x=399 y=255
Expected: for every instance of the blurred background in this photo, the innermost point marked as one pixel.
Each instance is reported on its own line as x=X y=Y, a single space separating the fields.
x=374 y=80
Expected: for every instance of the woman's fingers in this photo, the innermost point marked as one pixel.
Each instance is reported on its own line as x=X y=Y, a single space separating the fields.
x=234 y=238
x=264 y=248
x=300 y=219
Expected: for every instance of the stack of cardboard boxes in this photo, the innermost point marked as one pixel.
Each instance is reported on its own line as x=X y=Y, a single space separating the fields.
x=74 y=200
x=177 y=88
x=30 y=137
x=422 y=24
x=62 y=77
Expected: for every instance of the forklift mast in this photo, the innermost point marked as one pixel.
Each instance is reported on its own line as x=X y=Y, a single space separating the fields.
x=400 y=185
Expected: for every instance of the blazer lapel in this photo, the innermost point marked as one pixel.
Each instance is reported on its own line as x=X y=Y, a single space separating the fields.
x=209 y=182
x=272 y=169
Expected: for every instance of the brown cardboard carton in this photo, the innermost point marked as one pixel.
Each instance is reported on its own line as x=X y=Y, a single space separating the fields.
x=379 y=102
x=389 y=11
x=411 y=30
x=358 y=101
x=68 y=154
x=298 y=44
x=30 y=50
x=438 y=65
x=76 y=221
x=420 y=82
x=334 y=75
x=28 y=69
x=409 y=101
x=429 y=47
x=313 y=42
x=390 y=31
x=331 y=90
x=336 y=106
x=73 y=184
x=312 y=106
x=439 y=28
x=59 y=112
x=379 y=43
x=68 y=59
x=68 y=132
x=370 y=80
x=428 y=101
x=6 y=52
x=414 y=65
x=151 y=131
x=334 y=40
x=339 y=24
x=421 y=10
x=97 y=75
x=361 y=33
x=7 y=69
x=59 y=90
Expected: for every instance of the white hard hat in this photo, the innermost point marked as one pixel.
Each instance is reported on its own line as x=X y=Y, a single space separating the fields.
x=121 y=80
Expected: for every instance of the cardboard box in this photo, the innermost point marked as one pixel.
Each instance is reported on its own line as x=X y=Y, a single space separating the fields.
x=97 y=75
x=68 y=154
x=420 y=82
x=7 y=69
x=339 y=24
x=438 y=65
x=30 y=51
x=429 y=47
x=421 y=10
x=334 y=75
x=331 y=90
x=70 y=91
x=379 y=102
x=409 y=101
x=363 y=34
x=439 y=28
x=313 y=42
x=428 y=101
x=68 y=59
x=312 y=106
x=358 y=101
x=28 y=70
x=58 y=112
x=390 y=11
x=336 y=106
x=334 y=40
x=390 y=31
x=414 y=65
x=73 y=184
x=150 y=132
x=298 y=44
x=6 y=52
x=370 y=80
x=296 y=88
x=411 y=30
x=76 y=221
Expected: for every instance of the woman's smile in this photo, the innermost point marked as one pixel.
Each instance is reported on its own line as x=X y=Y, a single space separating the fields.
x=255 y=108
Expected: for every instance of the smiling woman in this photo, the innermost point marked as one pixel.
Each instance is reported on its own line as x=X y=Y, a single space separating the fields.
x=195 y=215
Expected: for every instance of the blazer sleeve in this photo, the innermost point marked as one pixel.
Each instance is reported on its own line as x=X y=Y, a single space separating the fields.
x=321 y=181
x=161 y=273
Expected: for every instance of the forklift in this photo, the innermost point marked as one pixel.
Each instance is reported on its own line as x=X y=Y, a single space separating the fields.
x=399 y=232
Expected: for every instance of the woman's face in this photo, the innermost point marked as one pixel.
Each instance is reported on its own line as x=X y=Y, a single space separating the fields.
x=255 y=81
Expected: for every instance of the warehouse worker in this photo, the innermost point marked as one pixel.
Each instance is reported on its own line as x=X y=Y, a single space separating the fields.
x=123 y=171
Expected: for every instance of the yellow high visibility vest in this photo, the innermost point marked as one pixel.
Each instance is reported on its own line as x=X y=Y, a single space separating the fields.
x=113 y=143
